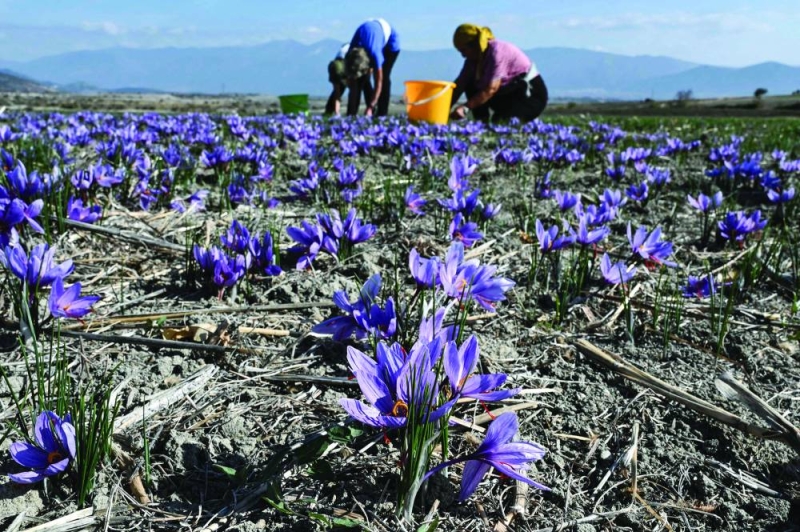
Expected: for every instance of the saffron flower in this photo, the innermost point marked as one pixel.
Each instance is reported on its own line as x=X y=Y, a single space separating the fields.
x=549 y=239
x=705 y=203
x=464 y=232
x=461 y=167
x=587 y=237
x=76 y=211
x=490 y=210
x=342 y=327
x=52 y=453
x=263 y=254
x=650 y=247
x=566 y=200
x=461 y=203
x=386 y=383
x=781 y=196
x=699 y=287
x=68 y=303
x=424 y=271
x=414 y=202
x=638 y=192
x=617 y=273
x=737 y=225
x=355 y=230
x=467 y=280
x=309 y=240
x=459 y=365
x=500 y=451
x=38 y=268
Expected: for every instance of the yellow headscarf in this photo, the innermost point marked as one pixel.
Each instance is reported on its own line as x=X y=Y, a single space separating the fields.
x=469 y=33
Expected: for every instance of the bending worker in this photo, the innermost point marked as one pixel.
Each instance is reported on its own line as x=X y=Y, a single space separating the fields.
x=374 y=48
x=338 y=79
x=496 y=75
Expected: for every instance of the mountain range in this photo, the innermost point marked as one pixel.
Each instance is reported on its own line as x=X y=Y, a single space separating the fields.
x=285 y=67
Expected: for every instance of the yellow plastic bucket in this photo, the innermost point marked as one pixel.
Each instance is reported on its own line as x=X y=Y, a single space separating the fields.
x=294 y=103
x=429 y=101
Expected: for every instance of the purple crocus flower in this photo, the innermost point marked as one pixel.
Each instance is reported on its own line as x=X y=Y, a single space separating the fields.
x=38 y=269
x=617 y=273
x=378 y=322
x=466 y=280
x=263 y=254
x=613 y=198
x=490 y=210
x=105 y=176
x=658 y=176
x=424 y=271
x=780 y=196
x=459 y=365
x=542 y=187
x=464 y=232
x=309 y=240
x=705 y=203
x=500 y=451
x=414 y=202
x=236 y=238
x=637 y=192
x=587 y=237
x=82 y=180
x=549 y=239
x=355 y=230
x=650 y=247
x=386 y=383
x=76 y=211
x=26 y=186
x=737 y=225
x=68 y=303
x=699 y=287
x=229 y=269
x=52 y=452
x=342 y=327
x=566 y=200
x=461 y=167
x=461 y=203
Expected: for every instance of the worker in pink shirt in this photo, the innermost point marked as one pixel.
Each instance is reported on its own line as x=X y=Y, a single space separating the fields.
x=496 y=76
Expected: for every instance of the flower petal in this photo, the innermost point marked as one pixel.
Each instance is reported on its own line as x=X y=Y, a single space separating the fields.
x=28 y=455
x=500 y=431
x=369 y=415
x=507 y=471
x=474 y=472
x=26 y=477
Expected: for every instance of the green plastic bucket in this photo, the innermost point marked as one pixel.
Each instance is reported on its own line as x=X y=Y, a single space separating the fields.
x=294 y=103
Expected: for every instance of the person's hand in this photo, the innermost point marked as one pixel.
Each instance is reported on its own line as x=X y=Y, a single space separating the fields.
x=369 y=111
x=459 y=113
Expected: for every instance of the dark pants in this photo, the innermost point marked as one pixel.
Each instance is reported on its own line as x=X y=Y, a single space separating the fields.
x=364 y=84
x=519 y=98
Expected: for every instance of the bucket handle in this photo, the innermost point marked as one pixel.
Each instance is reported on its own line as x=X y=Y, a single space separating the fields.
x=429 y=99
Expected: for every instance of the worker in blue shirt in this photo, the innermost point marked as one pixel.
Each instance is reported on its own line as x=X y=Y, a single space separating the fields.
x=373 y=48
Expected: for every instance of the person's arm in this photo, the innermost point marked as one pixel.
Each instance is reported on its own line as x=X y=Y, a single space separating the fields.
x=457 y=92
x=337 y=95
x=477 y=99
x=376 y=94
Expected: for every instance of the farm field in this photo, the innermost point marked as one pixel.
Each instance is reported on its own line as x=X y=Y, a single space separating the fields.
x=254 y=291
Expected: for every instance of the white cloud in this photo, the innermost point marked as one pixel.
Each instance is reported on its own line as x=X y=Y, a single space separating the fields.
x=712 y=22
x=107 y=27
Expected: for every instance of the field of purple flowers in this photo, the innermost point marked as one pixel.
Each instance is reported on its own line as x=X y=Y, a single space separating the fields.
x=301 y=323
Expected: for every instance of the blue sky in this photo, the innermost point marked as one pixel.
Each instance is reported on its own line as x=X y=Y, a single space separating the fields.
x=718 y=32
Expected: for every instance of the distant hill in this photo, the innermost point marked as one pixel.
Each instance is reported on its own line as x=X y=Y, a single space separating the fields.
x=13 y=82
x=715 y=82
x=284 y=67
